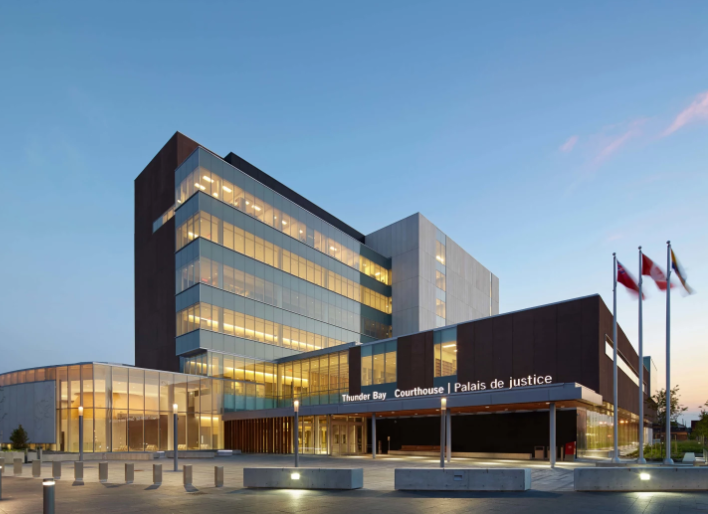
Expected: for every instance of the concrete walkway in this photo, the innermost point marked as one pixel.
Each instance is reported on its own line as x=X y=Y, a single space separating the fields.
x=378 y=474
x=24 y=496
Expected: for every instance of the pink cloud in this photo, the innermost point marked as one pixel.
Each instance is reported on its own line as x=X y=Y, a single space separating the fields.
x=568 y=145
x=698 y=110
x=612 y=144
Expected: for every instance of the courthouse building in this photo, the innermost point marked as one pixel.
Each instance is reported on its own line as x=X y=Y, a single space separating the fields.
x=248 y=297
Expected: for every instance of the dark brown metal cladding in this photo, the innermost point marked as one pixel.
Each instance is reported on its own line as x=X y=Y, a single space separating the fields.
x=414 y=359
x=563 y=340
x=355 y=370
x=155 y=321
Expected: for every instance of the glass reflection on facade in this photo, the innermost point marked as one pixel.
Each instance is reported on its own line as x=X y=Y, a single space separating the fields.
x=130 y=409
x=282 y=291
x=595 y=431
x=249 y=196
x=445 y=350
x=226 y=321
x=349 y=435
x=213 y=229
x=378 y=363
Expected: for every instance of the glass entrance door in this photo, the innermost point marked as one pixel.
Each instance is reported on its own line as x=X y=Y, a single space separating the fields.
x=348 y=435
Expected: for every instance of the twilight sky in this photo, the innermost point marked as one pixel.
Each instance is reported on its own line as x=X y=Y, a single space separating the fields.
x=541 y=136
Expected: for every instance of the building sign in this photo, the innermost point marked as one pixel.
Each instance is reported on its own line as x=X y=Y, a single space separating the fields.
x=468 y=387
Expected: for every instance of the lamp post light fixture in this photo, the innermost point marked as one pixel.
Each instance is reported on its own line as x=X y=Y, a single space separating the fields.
x=443 y=408
x=174 y=416
x=81 y=433
x=296 y=408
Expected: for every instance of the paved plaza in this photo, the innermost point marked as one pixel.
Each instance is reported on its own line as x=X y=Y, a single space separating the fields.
x=551 y=491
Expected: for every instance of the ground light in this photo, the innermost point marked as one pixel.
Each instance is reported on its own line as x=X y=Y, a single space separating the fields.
x=48 y=496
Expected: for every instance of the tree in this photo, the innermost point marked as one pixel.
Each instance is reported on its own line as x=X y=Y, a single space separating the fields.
x=19 y=438
x=658 y=404
x=701 y=428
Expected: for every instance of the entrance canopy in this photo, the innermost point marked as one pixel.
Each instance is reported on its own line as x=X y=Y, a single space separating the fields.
x=489 y=401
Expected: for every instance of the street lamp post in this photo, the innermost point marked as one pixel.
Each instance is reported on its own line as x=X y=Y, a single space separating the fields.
x=81 y=433
x=296 y=433
x=443 y=408
x=174 y=416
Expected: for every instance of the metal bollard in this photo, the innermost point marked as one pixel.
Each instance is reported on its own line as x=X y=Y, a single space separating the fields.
x=2 y=467
x=39 y=454
x=187 y=474
x=218 y=476
x=36 y=468
x=78 y=471
x=103 y=472
x=157 y=474
x=129 y=472
x=56 y=470
x=48 y=486
x=18 y=467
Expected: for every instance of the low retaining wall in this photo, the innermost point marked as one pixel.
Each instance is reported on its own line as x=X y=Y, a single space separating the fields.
x=464 y=479
x=69 y=457
x=194 y=454
x=304 y=478
x=647 y=478
x=466 y=455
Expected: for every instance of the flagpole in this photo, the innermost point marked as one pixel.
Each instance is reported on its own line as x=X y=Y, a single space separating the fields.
x=641 y=459
x=615 y=457
x=668 y=459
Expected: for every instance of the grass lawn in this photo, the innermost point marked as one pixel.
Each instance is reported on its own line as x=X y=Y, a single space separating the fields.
x=678 y=449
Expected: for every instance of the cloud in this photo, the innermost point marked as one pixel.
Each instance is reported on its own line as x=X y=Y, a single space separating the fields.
x=698 y=110
x=568 y=145
x=610 y=144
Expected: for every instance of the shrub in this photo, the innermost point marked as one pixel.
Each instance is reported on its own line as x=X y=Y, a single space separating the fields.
x=19 y=438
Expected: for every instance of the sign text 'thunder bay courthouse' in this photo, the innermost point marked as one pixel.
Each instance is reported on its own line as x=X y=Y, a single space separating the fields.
x=468 y=387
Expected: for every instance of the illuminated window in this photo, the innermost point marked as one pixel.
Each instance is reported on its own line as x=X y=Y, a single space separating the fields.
x=440 y=280
x=440 y=252
x=445 y=352
x=440 y=308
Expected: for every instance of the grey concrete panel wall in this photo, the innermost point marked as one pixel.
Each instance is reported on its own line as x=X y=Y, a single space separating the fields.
x=31 y=405
x=411 y=245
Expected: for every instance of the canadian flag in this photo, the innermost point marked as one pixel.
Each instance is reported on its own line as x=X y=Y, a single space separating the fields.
x=650 y=269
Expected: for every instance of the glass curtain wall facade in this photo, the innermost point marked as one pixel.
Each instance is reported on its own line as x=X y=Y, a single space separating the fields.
x=253 y=265
x=378 y=363
x=130 y=409
x=319 y=380
x=595 y=428
x=204 y=172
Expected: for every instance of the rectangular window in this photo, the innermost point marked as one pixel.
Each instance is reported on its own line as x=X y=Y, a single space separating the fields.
x=445 y=351
x=391 y=362
x=378 y=364
x=440 y=280
x=440 y=252
x=367 y=368
x=440 y=308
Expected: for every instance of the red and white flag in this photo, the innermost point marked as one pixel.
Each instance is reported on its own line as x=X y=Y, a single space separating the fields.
x=627 y=280
x=650 y=269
